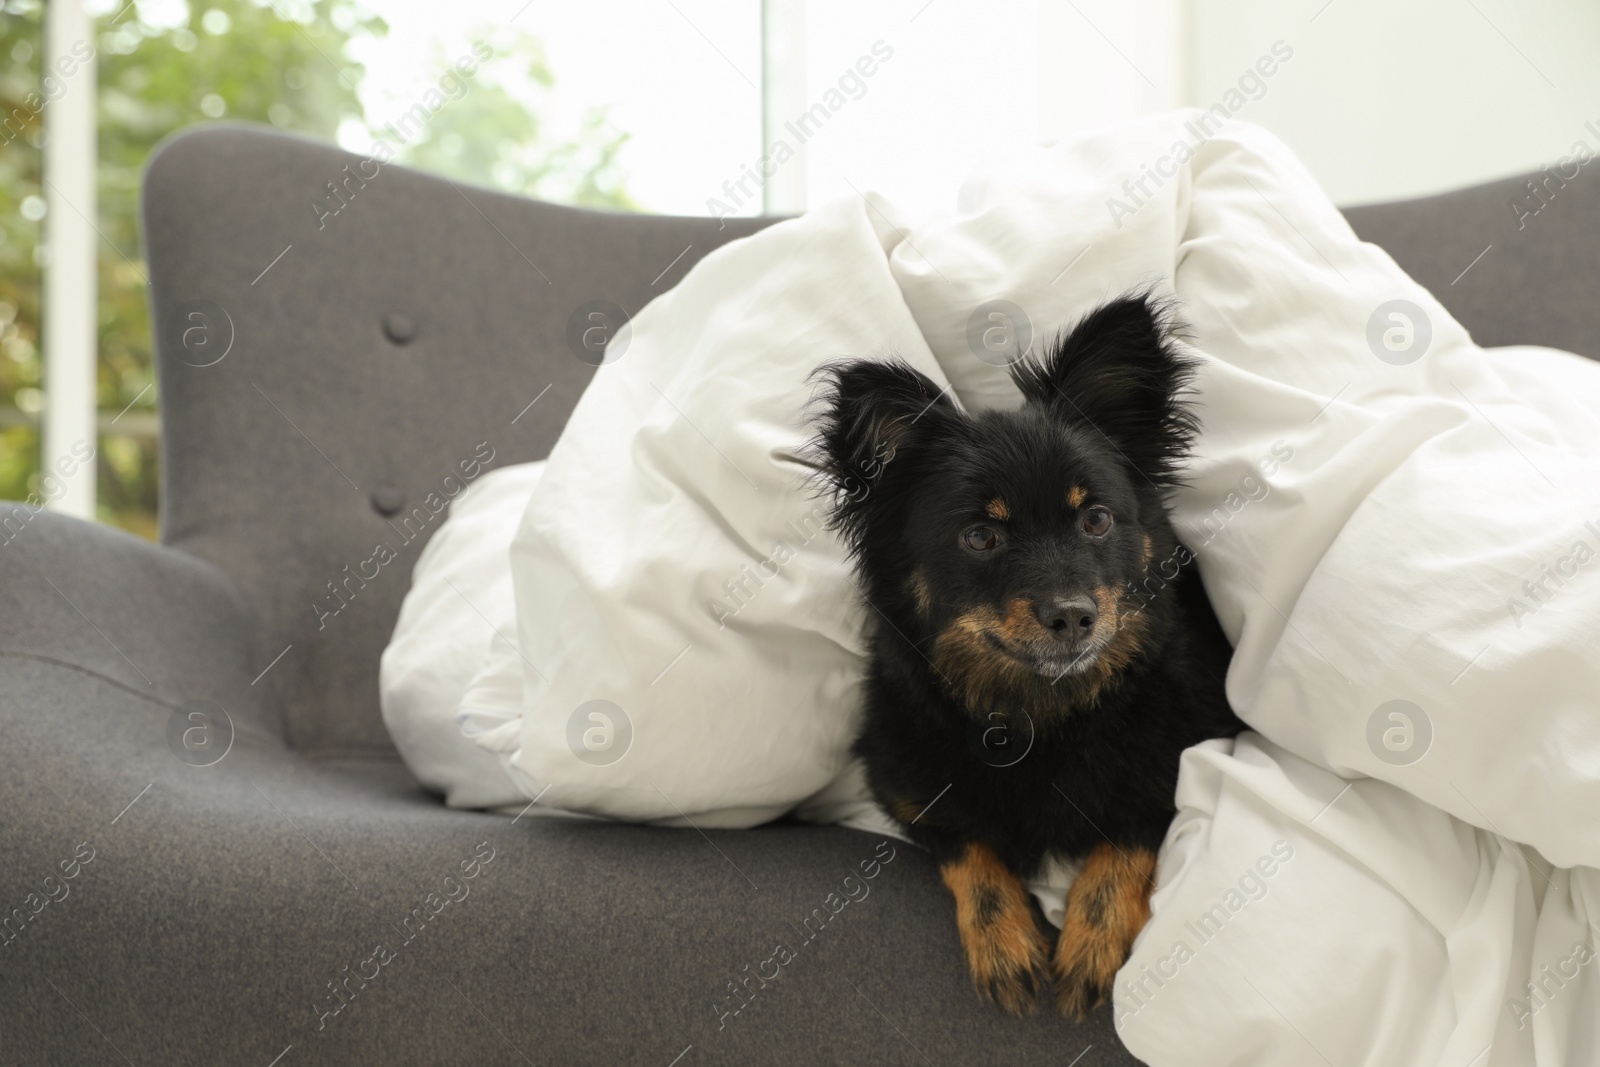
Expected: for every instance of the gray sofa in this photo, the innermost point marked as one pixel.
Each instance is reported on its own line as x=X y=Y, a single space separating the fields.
x=321 y=374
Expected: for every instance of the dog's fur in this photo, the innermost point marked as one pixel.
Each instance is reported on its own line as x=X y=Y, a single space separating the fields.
x=1032 y=679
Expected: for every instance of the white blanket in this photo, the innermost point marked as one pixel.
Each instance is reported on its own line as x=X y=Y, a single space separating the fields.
x=1394 y=526
x=460 y=594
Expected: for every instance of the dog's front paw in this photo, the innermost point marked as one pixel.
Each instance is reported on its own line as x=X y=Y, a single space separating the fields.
x=1004 y=949
x=1086 y=964
x=1107 y=906
x=1007 y=963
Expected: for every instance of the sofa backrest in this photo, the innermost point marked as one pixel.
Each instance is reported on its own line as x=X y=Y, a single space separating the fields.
x=1513 y=260
x=342 y=345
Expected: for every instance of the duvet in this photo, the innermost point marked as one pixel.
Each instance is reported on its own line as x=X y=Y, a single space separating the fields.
x=1398 y=529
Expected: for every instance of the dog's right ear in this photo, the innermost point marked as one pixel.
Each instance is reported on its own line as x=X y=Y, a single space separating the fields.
x=866 y=412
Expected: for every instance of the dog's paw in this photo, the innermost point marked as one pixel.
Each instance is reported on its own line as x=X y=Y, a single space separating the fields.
x=1107 y=906
x=1006 y=955
x=1007 y=963
x=1086 y=964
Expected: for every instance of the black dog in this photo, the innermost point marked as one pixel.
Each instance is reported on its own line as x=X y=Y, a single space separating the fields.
x=1039 y=659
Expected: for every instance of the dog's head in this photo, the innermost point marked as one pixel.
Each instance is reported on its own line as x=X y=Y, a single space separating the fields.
x=1008 y=546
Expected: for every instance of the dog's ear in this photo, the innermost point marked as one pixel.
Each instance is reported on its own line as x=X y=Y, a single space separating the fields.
x=868 y=412
x=1120 y=371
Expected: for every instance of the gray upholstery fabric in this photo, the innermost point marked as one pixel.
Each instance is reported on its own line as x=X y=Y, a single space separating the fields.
x=221 y=901
x=272 y=457
x=217 y=909
x=1531 y=285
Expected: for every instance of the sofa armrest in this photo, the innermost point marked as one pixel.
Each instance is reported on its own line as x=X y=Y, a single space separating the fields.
x=138 y=616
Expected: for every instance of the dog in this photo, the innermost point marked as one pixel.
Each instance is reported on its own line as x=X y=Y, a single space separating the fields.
x=1039 y=655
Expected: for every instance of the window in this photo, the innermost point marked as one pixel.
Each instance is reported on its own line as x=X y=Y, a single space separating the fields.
x=560 y=105
x=709 y=107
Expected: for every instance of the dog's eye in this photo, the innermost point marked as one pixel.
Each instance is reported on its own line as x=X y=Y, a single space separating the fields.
x=1096 y=521
x=981 y=539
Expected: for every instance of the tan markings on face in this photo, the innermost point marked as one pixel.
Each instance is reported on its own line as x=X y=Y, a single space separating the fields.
x=1005 y=953
x=971 y=658
x=1107 y=906
x=919 y=591
x=964 y=657
x=1077 y=495
x=1149 y=549
x=1118 y=653
x=1019 y=624
x=997 y=510
x=984 y=678
x=1126 y=642
x=1109 y=603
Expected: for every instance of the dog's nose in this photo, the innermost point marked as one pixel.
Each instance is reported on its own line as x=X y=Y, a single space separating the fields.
x=1070 y=619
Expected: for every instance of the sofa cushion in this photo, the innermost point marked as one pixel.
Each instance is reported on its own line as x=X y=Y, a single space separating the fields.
x=228 y=913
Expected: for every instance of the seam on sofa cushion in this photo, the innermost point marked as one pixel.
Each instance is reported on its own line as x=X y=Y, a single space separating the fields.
x=124 y=686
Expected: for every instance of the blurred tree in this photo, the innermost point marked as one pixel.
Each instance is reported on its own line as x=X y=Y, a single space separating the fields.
x=490 y=137
x=164 y=65
x=21 y=208
x=157 y=74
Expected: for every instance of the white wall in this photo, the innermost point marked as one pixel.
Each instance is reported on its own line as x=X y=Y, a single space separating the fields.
x=1382 y=98
x=970 y=80
x=1102 y=61
x=1394 y=98
x=961 y=83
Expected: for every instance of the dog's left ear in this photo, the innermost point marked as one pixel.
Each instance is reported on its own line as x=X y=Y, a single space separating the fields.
x=1119 y=371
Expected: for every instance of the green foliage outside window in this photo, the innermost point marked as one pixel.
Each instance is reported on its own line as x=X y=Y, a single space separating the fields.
x=164 y=67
